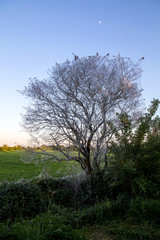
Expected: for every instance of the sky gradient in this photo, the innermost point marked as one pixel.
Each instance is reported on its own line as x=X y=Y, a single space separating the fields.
x=35 y=34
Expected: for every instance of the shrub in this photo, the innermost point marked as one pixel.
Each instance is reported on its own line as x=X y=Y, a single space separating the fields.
x=135 y=163
x=148 y=159
x=57 y=190
x=99 y=212
x=144 y=209
x=20 y=199
x=74 y=191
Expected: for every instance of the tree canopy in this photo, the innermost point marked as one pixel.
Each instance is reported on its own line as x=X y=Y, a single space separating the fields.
x=78 y=104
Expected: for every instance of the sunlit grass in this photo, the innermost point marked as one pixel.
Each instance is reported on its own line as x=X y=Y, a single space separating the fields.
x=12 y=168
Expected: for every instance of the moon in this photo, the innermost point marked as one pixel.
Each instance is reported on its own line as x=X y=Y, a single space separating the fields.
x=100 y=22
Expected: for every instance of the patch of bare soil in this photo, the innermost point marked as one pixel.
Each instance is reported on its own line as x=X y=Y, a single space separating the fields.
x=98 y=233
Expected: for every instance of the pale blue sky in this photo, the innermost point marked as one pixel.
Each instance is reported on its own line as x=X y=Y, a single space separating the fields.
x=34 y=34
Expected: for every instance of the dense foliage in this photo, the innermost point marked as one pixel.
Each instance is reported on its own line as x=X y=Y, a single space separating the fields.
x=123 y=199
x=20 y=199
x=135 y=156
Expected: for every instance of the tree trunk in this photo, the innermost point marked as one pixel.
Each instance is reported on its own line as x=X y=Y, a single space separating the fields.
x=88 y=163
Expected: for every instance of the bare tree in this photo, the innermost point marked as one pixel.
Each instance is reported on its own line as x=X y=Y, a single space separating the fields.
x=78 y=104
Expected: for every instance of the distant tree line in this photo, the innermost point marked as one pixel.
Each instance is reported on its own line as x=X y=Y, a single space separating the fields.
x=5 y=147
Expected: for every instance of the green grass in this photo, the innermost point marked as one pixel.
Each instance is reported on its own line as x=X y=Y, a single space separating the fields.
x=46 y=226
x=124 y=230
x=12 y=168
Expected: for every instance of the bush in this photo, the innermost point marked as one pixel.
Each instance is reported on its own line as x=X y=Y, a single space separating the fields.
x=99 y=212
x=20 y=199
x=89 y=215
x=151 y=210
x=148 y=209
x=120 y=178
x=57 y=190
x=148 y=159
x=74 y=191
x=134 y=166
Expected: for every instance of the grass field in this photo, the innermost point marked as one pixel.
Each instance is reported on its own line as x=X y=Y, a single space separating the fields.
x=12 y=168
